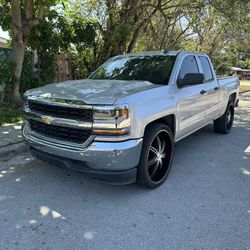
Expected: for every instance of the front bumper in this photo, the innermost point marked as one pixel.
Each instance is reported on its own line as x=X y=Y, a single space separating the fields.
x=113 y=162
x=113 y=177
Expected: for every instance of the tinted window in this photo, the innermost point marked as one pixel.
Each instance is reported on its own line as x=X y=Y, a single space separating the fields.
x=156 y=69
x=206 y=68
x=189 y=65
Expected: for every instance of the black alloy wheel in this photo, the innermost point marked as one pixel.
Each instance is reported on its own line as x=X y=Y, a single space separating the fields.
x=156 y=156
x=223 y=124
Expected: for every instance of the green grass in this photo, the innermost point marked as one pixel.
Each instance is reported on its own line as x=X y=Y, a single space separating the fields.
x=9 y=113
x=244 y=88
x=244 y=81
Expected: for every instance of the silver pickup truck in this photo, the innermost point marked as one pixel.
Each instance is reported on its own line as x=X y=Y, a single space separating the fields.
x=120 y=124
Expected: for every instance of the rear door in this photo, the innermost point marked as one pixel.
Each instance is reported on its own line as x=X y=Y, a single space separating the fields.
x=191 y=105
x=212 y=87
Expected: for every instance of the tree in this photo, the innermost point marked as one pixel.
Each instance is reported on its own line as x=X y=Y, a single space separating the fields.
x=95 y=30
x=120 y=25
x=168 y=28
x=221 y=29
x=20 y=17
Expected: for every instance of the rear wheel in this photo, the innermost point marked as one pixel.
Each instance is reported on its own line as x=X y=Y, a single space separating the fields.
x=156 y=157
x=224 y=124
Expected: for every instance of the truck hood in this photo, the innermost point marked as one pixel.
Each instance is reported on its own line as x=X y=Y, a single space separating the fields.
x=91 y=91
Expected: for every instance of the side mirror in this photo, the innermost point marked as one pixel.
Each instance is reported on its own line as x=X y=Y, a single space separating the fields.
x=191 y=79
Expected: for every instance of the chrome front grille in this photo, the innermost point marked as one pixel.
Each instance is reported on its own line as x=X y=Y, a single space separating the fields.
x=60 y=111
x=60 y=121
x=60 y=133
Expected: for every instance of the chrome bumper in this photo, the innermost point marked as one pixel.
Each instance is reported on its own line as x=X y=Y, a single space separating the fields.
x=110 y=156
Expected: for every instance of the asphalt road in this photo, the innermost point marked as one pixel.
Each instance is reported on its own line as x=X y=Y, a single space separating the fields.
x=205 y=203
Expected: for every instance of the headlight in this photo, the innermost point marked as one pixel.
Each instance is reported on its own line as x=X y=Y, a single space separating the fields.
x=111 y=120
x=25 y=103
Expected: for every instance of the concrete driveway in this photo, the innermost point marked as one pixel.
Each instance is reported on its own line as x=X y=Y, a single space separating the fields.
x=205 y=203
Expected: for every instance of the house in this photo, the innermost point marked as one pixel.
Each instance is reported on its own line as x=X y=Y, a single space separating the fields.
x=243 y=74
x=63 y=62
x=3 y=42
x=4 y=48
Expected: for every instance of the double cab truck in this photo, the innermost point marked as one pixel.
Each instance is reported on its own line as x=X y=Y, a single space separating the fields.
x=120 y=124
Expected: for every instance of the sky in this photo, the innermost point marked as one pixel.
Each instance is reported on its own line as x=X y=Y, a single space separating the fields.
x=4 y=34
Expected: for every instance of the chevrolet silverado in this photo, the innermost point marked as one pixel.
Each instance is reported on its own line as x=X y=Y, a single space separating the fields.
x=120 y=124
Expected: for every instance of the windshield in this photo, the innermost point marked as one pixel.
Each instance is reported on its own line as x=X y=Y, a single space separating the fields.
x=156 y=69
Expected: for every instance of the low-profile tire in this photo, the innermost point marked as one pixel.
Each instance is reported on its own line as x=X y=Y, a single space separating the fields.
x=223 y=124
x=156 y=156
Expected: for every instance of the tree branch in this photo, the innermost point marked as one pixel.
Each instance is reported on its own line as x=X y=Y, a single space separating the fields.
x=39 y=18
x=16 y=21
x=28 y=6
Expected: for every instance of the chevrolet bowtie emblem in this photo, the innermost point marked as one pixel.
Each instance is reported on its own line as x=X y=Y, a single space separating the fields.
x=46 y=120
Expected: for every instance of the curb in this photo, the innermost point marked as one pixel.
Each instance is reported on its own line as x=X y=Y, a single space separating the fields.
x=12 y=149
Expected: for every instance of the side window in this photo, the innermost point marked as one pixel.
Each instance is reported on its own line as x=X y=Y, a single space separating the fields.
x=206 y=68
x=189 y=65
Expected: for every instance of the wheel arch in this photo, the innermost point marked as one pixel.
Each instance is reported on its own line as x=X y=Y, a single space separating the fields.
x=169 y=120
x=232 y=98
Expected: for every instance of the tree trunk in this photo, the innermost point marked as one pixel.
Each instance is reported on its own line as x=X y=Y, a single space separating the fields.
x=133 y=40
x=17 y=59
x=21 y=27
x=140 y=27
x=2 y=95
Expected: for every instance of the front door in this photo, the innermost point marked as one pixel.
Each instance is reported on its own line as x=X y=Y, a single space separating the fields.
x=191 y=107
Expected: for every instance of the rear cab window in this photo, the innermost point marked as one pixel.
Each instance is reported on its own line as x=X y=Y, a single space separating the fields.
x=206 y=67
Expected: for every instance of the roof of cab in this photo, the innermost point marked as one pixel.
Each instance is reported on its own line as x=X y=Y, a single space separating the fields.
x=158 y=53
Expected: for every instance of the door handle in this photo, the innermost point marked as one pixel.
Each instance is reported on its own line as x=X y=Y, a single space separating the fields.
x=203 y=92
x=216 y=88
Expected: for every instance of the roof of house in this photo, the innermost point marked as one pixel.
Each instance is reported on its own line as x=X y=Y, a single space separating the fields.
x=240 y=69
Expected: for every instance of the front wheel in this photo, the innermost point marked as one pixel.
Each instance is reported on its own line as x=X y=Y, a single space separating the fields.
x=224 y=124
x=156 y=157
